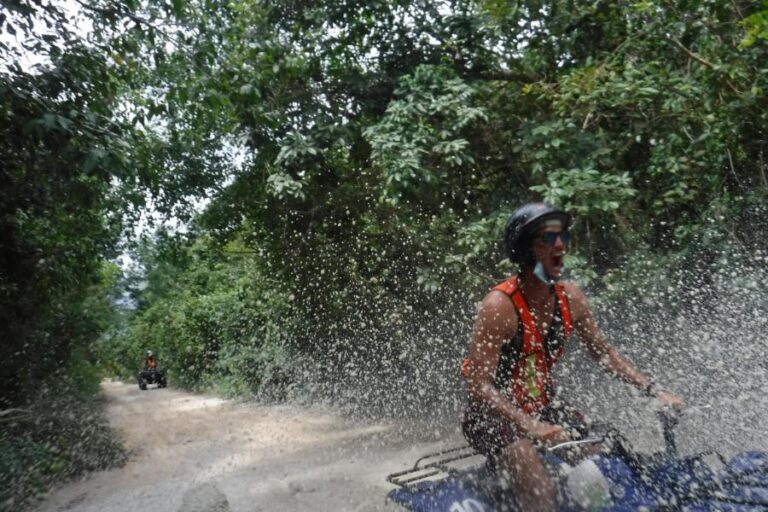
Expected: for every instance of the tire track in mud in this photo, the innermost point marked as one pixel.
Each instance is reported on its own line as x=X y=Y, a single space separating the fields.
x=260 y=457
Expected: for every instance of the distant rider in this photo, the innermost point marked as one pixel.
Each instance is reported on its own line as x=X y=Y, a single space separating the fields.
x=519 y=335
x=150 y=362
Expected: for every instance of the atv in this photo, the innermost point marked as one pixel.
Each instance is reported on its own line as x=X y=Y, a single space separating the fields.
x=152 y=376
x=461 y=480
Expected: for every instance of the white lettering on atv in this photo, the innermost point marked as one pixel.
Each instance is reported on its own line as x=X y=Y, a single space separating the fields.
x=468 y=505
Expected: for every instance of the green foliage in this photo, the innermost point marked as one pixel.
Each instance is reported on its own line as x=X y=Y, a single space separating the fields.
x=418 y=143
x=757 y=27
x=358 y=161
x=221 y=322
x=51 y=440
x=58 y=432
x=79 y=158
x=385 y=144
x=586 y=192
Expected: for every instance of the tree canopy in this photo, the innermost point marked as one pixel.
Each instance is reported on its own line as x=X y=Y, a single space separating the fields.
x=357 y=160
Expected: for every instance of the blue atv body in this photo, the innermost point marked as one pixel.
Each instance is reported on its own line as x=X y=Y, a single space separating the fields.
x=701 y=483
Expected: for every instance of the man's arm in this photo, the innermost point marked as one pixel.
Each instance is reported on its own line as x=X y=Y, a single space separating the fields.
x=496 y=322
x=608 y=357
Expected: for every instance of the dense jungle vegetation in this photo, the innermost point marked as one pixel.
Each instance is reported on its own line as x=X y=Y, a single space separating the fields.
x=329 y=181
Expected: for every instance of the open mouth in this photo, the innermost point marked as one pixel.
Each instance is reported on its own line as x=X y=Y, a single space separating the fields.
x=557 y=261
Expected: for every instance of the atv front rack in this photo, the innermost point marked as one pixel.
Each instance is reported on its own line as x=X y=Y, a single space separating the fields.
x=436 y=467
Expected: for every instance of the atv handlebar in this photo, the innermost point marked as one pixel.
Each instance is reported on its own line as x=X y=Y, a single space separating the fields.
x=668 y=418
x=571 y=444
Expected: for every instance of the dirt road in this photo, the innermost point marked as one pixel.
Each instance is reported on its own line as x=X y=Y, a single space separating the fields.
x=198 y=452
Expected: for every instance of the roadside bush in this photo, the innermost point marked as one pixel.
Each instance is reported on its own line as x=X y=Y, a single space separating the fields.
x=53 y=438
x=224 y=324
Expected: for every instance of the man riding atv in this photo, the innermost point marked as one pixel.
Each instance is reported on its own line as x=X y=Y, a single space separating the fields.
x=151 y=374
x=519 y=334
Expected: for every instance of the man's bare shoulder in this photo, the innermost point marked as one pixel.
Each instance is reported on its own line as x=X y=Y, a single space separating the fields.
x=496 y=299
x=496 y=313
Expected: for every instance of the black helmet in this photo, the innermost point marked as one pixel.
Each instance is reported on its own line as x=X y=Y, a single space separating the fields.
x=523 y=223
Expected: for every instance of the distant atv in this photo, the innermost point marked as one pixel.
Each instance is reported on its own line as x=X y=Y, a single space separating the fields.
x=152 y=376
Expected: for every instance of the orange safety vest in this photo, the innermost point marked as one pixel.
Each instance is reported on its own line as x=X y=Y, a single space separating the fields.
x=531 y=383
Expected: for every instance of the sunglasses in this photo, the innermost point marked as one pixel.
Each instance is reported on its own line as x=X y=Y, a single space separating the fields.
x=550 y=237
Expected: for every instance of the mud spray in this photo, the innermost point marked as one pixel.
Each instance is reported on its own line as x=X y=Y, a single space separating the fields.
x=392 y=395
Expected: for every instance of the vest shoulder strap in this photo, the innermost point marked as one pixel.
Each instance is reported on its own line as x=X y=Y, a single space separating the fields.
x=508 y=287
x=531 y=335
